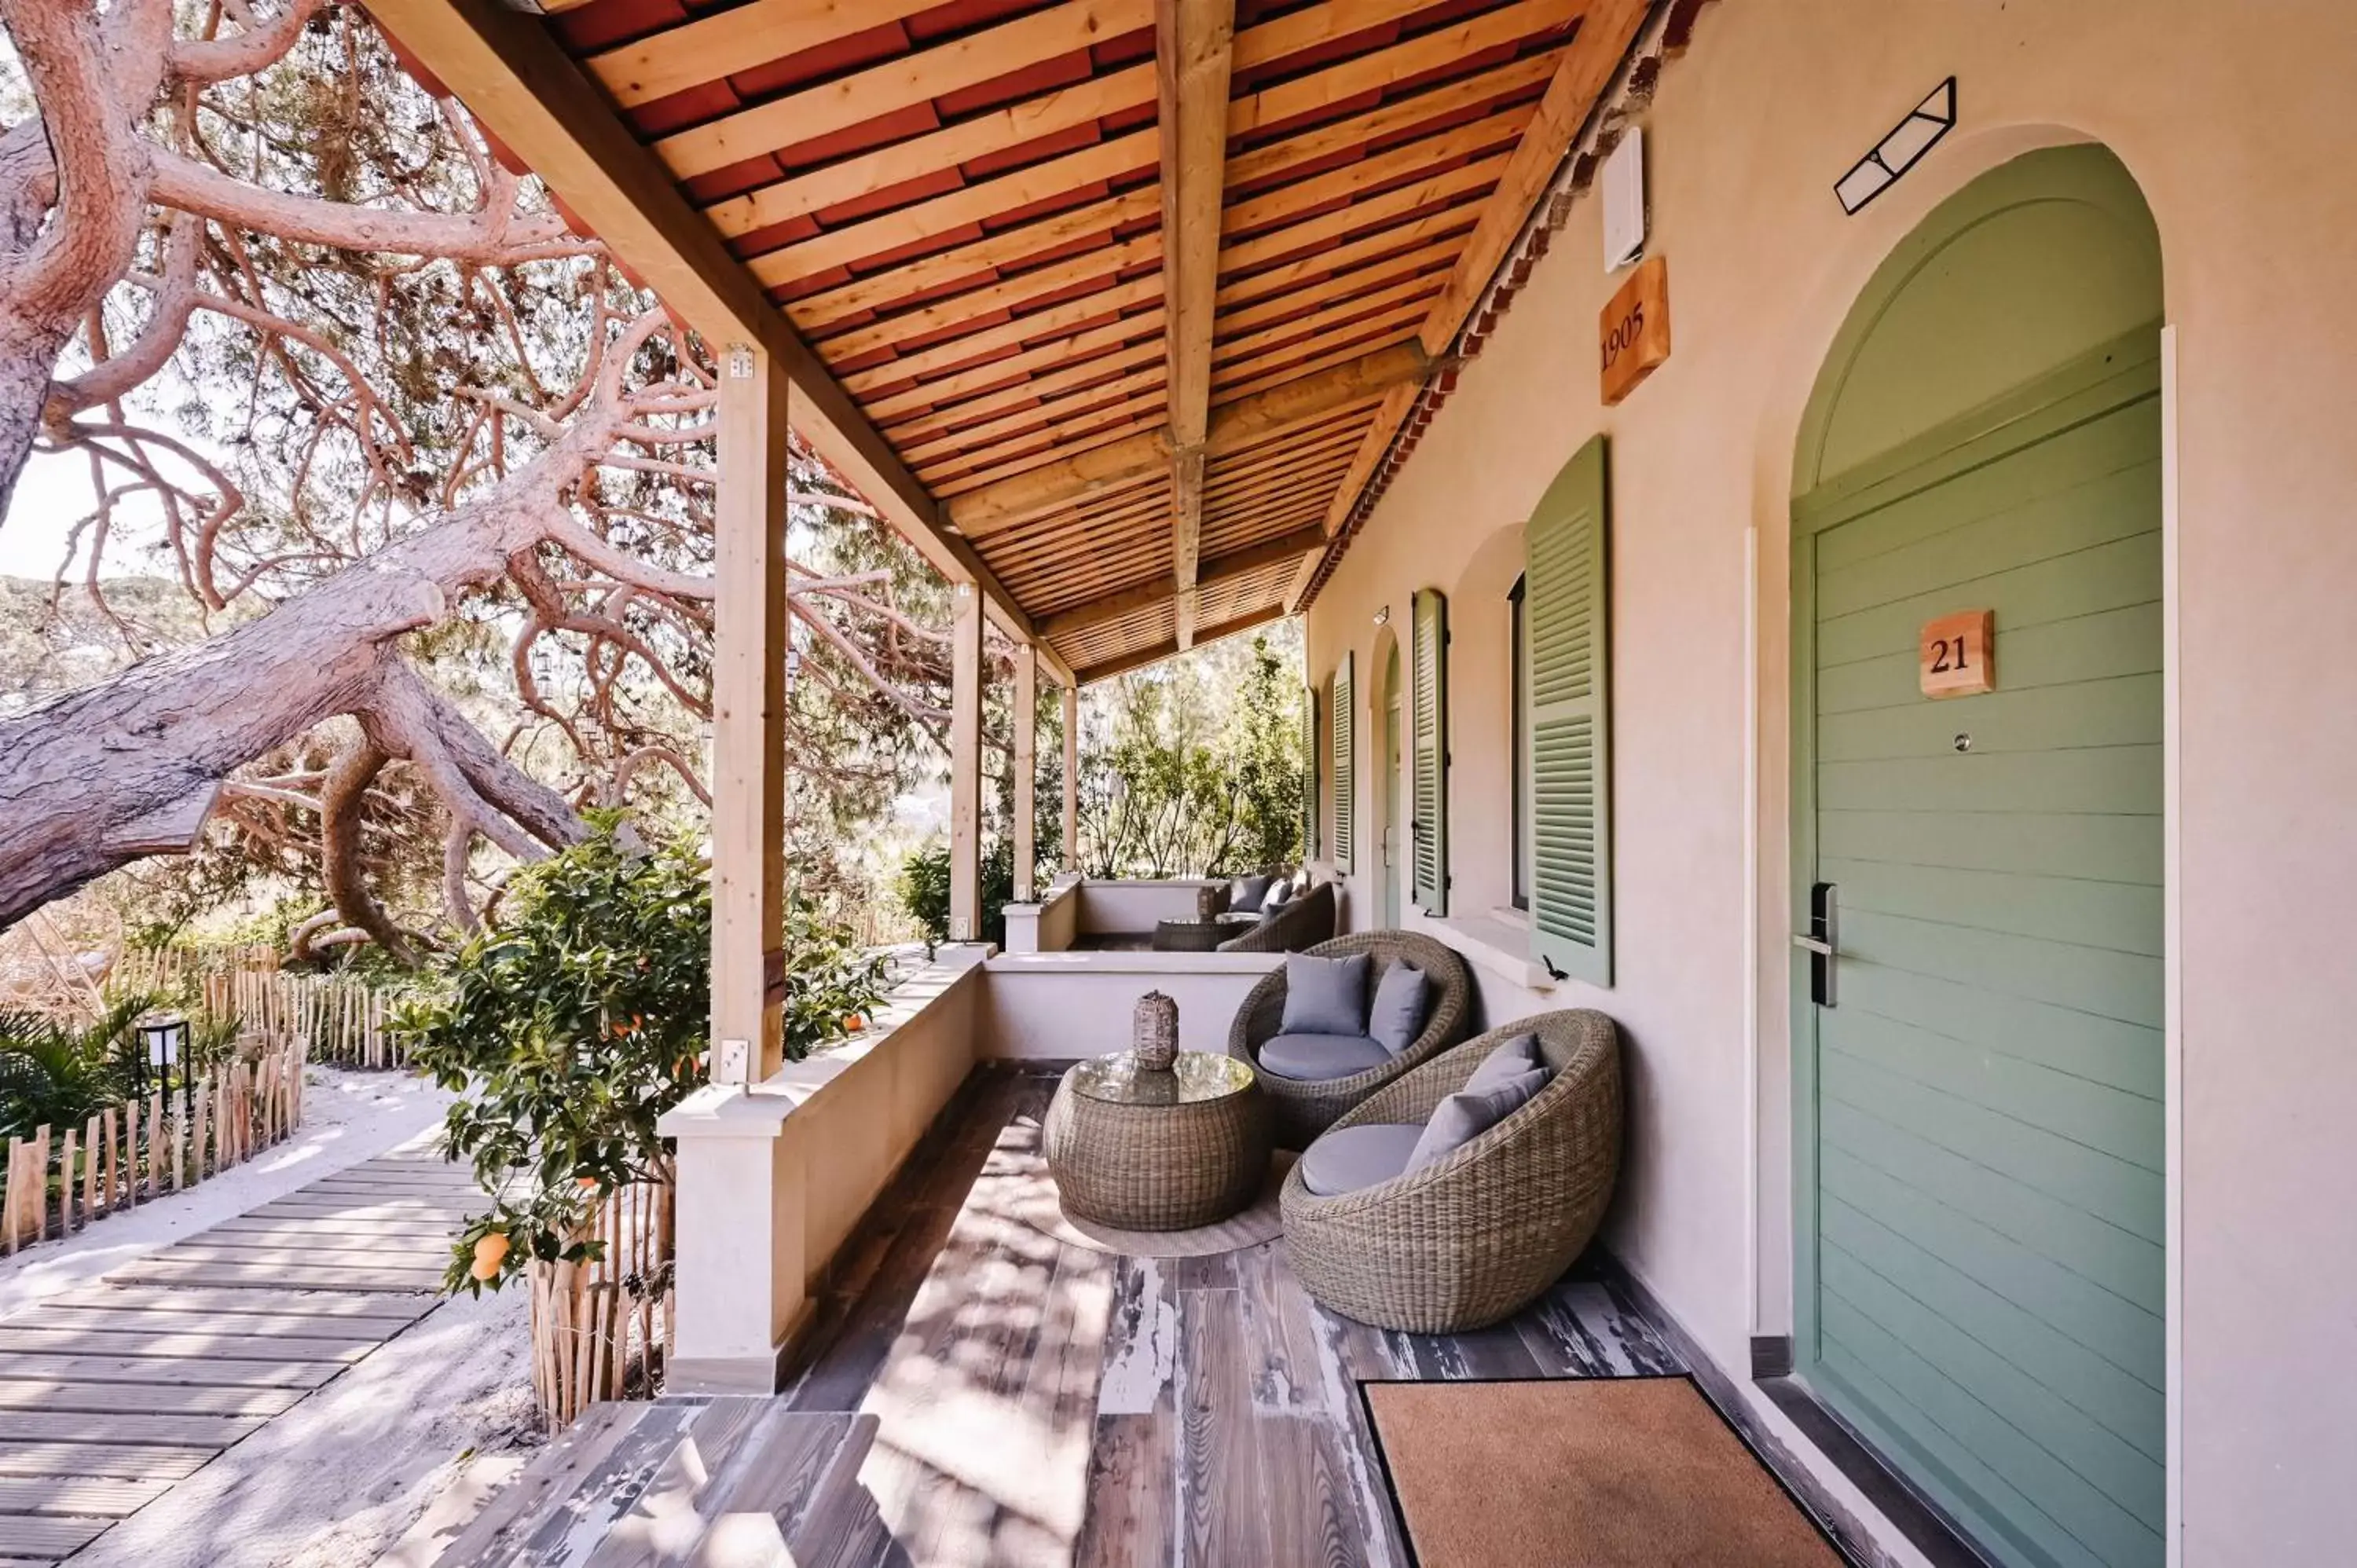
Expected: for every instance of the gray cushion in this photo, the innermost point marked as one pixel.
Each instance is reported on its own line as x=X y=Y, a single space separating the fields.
x=1510 y=1059
x=1348 y=1158
x=1245 y=893
x=1315 y=1057
x=1465 y=1115
x=1397 y=1016
x=1325 y=995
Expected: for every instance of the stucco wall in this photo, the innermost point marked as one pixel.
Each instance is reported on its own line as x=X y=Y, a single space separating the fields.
x=2235 y=122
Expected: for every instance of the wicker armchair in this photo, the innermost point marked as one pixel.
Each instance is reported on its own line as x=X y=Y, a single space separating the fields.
x=1307 y=1108
x=1476 y=1237
x=1297 y=927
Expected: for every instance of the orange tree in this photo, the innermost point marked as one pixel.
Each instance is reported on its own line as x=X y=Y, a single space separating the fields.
x=582 y=1015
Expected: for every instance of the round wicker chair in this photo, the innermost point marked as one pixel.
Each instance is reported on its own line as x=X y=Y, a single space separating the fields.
x=1474 y=1237
x=1307 y=920
x=1307 y=1108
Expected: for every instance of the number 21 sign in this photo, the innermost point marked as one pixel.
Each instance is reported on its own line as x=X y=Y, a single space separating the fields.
x=1958 y=654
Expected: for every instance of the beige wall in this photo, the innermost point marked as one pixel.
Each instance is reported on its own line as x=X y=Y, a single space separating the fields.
x=2235 y=122
x=1056 y=1006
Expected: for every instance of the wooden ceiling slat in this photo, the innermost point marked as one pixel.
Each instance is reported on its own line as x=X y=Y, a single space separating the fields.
x=1427 y=239
x=1064 y=352
x=1354 y=180
x=1392 y=271
x=1404 y=61
x=907 y=227
x=1137 y=389
x=978 y=261
x=1448 y=186
x=1313 y=451
x=1332 y=319
x=1083 y=440
x=1125 y=417
x=946 y=315
x=1252 y=376
x=710 y=47
x=956 y=414
x=1017 y=332
x=1156 y=653
x=1342 y=136
x=900 y=83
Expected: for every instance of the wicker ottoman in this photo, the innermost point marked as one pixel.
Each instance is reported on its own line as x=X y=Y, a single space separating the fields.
x=1158 y=1151
x=1188 y=936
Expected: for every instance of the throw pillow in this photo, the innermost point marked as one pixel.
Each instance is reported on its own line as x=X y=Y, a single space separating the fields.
x=1465 y=1115
x=1397 y=1017
x=1513 y=1058
x=1245 y=893
x=1325 y=995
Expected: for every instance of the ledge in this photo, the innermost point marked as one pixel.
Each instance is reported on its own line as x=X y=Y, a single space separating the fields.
x=1111 y=961
x=1501 y=946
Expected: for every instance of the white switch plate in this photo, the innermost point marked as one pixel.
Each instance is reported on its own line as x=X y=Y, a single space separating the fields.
x=732 y=1067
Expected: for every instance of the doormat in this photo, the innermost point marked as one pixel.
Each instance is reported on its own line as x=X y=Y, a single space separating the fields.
x=1582 y=1473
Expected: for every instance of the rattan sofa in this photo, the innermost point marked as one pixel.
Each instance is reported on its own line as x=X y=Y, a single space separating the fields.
x=1300 y=925
x=1306 y=1107
x=1478 y=1235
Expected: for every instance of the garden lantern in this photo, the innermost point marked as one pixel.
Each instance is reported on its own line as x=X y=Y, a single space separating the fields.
x=165 y=1038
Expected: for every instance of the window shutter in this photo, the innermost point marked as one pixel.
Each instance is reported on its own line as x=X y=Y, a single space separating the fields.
x=1429 y=769
x=1566 y=598
x=1309 y=774
x=1341 y=721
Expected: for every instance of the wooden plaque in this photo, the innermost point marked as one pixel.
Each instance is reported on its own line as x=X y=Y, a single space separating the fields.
x=1957 y=654
x=1633 y=334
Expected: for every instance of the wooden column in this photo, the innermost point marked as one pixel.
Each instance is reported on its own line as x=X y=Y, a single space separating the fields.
x=748 y=711
x=1073 y=780
x=1026 y=770
x=965 y=767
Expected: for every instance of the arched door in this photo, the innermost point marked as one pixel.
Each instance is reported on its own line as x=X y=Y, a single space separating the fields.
x=1979 y=1057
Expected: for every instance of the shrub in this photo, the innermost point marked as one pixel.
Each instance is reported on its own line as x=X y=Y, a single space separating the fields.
x=924 y=890
x=569 y=1029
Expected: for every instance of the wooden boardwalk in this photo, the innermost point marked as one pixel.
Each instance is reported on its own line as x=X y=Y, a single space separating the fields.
x=112 y=1393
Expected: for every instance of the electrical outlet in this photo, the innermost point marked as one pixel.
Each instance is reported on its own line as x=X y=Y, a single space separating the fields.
x=735 y=1063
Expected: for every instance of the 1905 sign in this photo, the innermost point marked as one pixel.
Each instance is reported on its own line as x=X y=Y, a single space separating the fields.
x=1633 y=334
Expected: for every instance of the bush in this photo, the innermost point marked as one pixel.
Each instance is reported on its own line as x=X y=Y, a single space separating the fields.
x=924 y=890
x=580 y=1020
x=55 y=1074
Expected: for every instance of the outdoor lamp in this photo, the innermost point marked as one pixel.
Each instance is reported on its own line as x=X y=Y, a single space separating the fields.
x=166 y=1035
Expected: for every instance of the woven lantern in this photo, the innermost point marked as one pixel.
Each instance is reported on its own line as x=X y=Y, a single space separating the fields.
x=1156 y=1044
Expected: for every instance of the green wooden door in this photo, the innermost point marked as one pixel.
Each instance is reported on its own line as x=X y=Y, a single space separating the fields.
x=1392 y=869
x=1988 y=1196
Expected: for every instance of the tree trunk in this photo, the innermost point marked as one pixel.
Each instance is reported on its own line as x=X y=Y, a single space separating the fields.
x=127 y=767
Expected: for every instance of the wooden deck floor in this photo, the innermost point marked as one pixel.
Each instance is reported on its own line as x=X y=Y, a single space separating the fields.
x=112 y=1393
x=1014 y=1399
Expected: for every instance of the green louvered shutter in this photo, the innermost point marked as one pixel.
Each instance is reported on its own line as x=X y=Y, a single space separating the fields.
x=1566 y=597
x=1341 y=722
x=1309 y=774
x=1428 y=737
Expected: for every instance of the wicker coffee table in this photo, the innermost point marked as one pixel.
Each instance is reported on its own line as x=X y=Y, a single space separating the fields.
x=1158 y=1151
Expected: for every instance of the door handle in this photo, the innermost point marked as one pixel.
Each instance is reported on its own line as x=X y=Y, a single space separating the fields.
x=1822 y=942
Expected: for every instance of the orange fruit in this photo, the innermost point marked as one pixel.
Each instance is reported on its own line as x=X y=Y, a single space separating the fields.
x=491 y=1252
x=854 y=1023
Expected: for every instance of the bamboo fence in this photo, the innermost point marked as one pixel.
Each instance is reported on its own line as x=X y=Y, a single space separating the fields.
x=135 y=1152
x=340 y=1019
x=602 y=1326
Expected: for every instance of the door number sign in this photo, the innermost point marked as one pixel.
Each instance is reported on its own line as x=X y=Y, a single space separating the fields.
x=1957 y=656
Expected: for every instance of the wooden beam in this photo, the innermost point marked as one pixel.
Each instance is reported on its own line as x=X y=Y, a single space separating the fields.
x=965 y=767
x=1073 y=776
x=748 y=712
x=1193 y=44
x=523 y=88
x=1216 y=571
x=1052 y=485
x=1606 y=31
x=1169 y=648
x=1026 y=770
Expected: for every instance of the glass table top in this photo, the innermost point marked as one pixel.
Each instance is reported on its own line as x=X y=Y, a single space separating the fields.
x=1195 y=1076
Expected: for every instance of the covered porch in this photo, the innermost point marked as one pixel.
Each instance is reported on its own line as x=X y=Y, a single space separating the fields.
x=1980 y=1013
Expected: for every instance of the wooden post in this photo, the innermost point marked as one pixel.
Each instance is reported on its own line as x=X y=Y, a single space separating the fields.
x=66 y=1186
x=748 y=693
x=1026 y=770
x=1073 y=780
x=965 y=767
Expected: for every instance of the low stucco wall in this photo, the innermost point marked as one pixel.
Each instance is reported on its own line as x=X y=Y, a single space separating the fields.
x=1131 y=908
x=796 y=1160
x=1048 y=925
x=1058 y=1006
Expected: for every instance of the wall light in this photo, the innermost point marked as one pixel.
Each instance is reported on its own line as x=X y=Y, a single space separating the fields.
x=1900 y=151
x=1383 y=616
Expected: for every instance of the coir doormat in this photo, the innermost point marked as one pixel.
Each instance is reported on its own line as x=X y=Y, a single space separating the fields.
x=1583 y=1472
